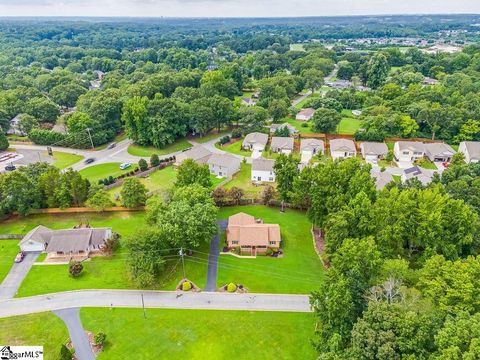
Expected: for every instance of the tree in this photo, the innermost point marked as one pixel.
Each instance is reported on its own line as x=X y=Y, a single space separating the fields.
x=67 y=94
x=100 y=200
x=135 y=116
x=408 y=125
x=133 y=193
x=27 y=123
x=326 y=120
x=142 y=164
x=236 y=194
x=189 y=172
x=43 y=109
x=3 y=141
x=252 y=118
x=154 y=160
x=286 y=170
x=377 y=70
x=18 y=193
x=278 y=109
x=75 y=268
x=268 y=194
x=219 y=195
x=313 y=79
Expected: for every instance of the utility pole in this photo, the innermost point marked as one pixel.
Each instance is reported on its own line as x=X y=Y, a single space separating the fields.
x=90 y=136
x=182 y=254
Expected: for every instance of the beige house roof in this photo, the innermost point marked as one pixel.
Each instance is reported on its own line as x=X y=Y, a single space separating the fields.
x=342 y=145
x=311 y=144
x=197 y=153
x=224 y=160
x=283 y=143
x=262 y=164
x=255 y=138
x=244 y=229
x=411 y=145
x=439 y=149
x=241 y=219
x=374 y=148
x=308 y=112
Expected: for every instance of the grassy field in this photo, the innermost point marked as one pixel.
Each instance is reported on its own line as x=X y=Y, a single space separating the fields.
x=43 y=329
x=297 y=47
x=348 y=126
x=300 y=125
x=63 y=160
x=8 y=249
x=102 y=171
x=298 y=271
x=242 y=180
x=214 y=134
x=234 y=148
x=147 y=151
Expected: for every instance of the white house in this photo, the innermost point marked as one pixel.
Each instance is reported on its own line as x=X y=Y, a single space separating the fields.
x=439 y=152
x=342 y=148
x=282 y=145
x=14 y=128
x=311 y=147
x=305 y=114
x=262 y=170
x=255 y=141
x=423 y=175
x=373 y=151
x=408 y=151
x=223 y=165
x=471 y=150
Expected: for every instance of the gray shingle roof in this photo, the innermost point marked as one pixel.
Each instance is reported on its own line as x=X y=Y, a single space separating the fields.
x=225 y=160
x=342 y=145
x=196 y=153
x=282 y=143
x=411 y=145
x=374 y=148
x=255 y=138
x=439 y=149
x=310 y=144
x=262 y=164
x=473 y=148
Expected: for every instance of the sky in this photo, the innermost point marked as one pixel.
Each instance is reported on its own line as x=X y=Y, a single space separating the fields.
x=232 y=8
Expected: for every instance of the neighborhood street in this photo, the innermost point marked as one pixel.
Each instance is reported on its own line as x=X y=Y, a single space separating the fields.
x=154 y=299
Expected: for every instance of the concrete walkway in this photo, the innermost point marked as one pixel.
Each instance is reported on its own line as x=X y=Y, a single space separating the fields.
x=71 y=318
x=155 y=299
x=18 y=272
x=213 y=258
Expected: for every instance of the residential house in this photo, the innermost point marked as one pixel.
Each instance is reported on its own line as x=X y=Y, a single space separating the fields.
x=439 y=152
x=356 y=112
x=282 y=145
x=305 y=114
x=255 y=141
x=252 y=235
x=373 y=151
x=291 y=129
x=247 y=101
x=429 y=81
x=223 y=165
x=421 y=174
x=342 y=148
x=80 y=241
x=310 y=148
x=262 y=170
x=471 y=150
x=408 y=151
x=198 y=153
x=14 y=128
x=382 y=178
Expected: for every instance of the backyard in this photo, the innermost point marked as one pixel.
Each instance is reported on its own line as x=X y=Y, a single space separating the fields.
x=234 y=148
x=102 y=171
x=242 y=180
x=170 y=333
x=349 y=123
x=147 y=151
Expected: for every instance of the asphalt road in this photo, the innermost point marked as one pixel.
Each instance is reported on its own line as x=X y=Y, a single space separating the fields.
x=18 y=271
x=71 y=318
x=155 y=299
x=213 y=258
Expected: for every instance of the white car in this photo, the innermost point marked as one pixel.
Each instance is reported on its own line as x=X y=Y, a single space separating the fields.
x=124 y=166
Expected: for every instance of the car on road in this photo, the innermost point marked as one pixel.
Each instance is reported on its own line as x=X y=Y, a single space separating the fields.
x=89 y=160
x=111 y=146
x=20 y=256
x=124 y=166
x=10 y=167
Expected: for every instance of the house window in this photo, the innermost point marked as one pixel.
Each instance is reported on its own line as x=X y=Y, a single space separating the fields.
x=259 y=178
x=272 y=242
x=270 y=179
x=219 y=173
x=405 y=153
x=234 y=242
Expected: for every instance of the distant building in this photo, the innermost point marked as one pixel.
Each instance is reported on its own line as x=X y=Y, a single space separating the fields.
x=305 y=114
x=247 y=101
x=291 y=129
x=14 y=128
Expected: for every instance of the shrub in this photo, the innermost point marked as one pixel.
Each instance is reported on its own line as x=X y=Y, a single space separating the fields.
x=154 y=160
x=269 y=252
x=186 y=286
x=65 y=353
x=231 y=287
x=75 y=268
x=3 y=141
x=142 y=164
x=304 y=125
x=268 y=194
x=236 y=133
x=236 y=194
x=224 y=140
x=100 y=338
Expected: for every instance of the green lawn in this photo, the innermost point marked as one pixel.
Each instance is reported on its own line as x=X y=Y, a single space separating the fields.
x=300 y=269
x=102 y=171
x=297 y=47
x=300 y=125
x=242 y=180
x=348 y=125
x=214 y=134
x=8 y=249
x=63 y=160
x=147 y=151
x=234 y=148
x=426 y=164
x=43 y=329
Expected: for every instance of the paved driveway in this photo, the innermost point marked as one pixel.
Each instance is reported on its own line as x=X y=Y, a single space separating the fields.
x=213 y=258
x=17 y=273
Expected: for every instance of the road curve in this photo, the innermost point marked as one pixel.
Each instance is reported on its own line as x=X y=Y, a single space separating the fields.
x=154 y=299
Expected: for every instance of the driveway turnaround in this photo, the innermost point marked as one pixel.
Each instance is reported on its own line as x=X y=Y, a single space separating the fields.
x=213 y=258
x=71 y=318
x=155 y=299
x=11 y=283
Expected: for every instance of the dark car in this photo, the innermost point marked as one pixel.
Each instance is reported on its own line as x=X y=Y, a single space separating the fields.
x=89 y=160
x=10 y=167
x=20 y=256
x=111 y=146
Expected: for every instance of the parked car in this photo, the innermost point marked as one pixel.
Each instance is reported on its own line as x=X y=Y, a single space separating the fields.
x=89 y=160
x=445 y=164
x=111 y=146
x=20 y=256
x=10 y=167
x=124 y=166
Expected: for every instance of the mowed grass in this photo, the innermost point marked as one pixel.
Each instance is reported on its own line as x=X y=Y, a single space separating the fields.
x=214 y=134
x=298 y=271
x=8 y=250
x=63 y=160
x=234 y=148
x=348 y=126
x=43 y=329
x=102 y=171
x=304 y=127
x=242 y=180
x=147 y=151
x=202 y=334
